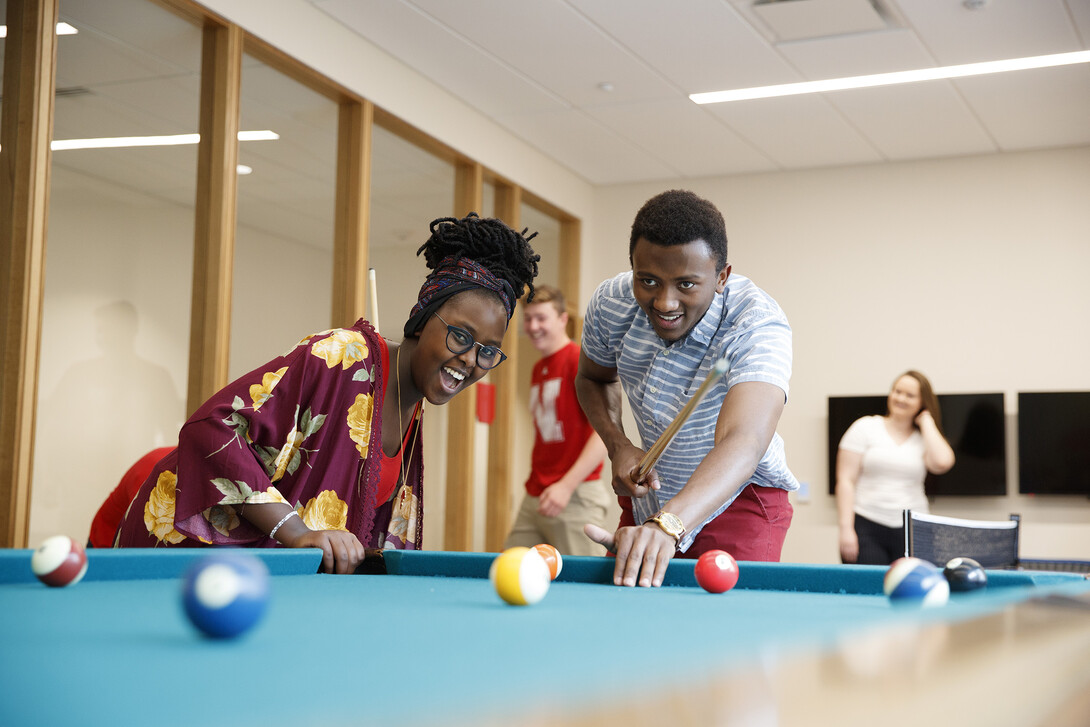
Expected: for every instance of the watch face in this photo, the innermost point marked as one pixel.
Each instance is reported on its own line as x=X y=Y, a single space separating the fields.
x=672 y=523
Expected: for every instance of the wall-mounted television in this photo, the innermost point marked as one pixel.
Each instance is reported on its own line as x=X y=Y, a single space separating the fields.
x=974 y=425
x=1054 y=443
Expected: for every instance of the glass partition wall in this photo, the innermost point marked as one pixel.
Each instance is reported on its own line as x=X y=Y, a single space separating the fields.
x=118 y=264
x=410 y=187
x=283 y=269
x=546 y=244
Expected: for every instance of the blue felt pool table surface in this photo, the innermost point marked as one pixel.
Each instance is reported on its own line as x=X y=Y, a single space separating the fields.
x=428 y=643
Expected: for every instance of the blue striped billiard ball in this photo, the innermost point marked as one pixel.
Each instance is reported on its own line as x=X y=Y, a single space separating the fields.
x=914 y=580
x=225 y=594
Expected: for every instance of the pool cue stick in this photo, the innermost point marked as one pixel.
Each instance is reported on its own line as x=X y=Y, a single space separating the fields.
x=653 y=454
x=372 y=289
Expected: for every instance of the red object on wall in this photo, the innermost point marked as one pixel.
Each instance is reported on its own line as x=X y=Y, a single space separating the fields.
x=486 y=402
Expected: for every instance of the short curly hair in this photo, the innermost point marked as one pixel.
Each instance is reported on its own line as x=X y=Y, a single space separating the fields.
x=678 y=217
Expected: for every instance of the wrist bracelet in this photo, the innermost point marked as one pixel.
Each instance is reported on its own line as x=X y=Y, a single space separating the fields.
x=272 y=533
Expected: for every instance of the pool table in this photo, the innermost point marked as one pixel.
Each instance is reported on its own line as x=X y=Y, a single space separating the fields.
x=422 y=639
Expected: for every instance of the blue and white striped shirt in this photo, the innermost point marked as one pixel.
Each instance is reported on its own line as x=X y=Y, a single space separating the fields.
x=743 y=323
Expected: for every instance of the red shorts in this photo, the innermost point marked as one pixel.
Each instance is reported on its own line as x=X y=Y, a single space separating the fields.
x=752 y=528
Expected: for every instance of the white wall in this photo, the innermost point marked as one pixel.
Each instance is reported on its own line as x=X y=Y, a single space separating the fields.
x=972 y=270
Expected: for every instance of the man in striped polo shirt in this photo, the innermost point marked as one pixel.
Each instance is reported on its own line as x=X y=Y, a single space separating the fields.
x=655 y=333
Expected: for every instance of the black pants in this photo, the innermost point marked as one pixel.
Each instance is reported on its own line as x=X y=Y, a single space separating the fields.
x=878 y=544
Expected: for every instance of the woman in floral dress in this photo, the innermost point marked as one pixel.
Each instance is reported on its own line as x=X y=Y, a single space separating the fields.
x=320 y=447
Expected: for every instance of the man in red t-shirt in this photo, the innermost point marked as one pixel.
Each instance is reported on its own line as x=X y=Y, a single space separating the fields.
x=563 y=492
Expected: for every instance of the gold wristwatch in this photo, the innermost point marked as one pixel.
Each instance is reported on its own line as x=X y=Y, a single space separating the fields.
x=669 y=523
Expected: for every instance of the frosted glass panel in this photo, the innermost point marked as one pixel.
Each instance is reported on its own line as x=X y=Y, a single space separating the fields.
x=118 y=273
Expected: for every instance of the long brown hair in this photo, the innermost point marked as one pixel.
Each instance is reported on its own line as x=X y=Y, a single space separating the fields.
x=927 y=396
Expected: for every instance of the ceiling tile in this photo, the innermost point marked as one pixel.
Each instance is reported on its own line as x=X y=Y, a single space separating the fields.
x=88 y=58
x=437 y=51
x=797 y=131
x=1080 y=11
x=998 y=30
x=551 y=43
x=914 y=120
x=699 y=45
x=135 y=108
x=143 y=32
x=684 y=137
x=588 y=148
x=1033 y=109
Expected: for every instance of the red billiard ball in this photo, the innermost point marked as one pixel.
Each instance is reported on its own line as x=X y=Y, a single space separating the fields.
x=716 y=571
x=552 y=559
x=59 y=561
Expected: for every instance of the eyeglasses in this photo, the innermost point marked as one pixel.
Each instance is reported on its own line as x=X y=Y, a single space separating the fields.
x=459 y=340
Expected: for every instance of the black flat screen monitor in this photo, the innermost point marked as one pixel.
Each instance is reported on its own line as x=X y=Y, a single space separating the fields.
x=974 y=426
x=1054 y=443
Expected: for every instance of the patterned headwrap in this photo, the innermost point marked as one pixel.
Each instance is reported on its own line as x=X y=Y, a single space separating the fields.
x=452 y=276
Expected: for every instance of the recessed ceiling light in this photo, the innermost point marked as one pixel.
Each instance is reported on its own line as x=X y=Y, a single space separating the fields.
x=114 y=142
x=62 y=29
x=888 y=79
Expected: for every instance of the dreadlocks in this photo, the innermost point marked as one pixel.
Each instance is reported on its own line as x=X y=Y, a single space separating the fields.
x=491 y=243
x=473 y=253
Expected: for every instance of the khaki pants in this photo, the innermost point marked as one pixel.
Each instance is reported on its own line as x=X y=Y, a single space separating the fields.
x=588 y=504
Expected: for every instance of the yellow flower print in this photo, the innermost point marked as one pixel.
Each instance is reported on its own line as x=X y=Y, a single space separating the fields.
x=359 y=422
x=288 y=452
x=306 y=340
x=270 y=495
x=344 y=347
x=260 y=393
x=159 y=510
x=326 y=512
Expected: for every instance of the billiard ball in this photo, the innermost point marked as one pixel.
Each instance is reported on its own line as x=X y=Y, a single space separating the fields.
x=552 y=559
x=716 y=571
x=520 y=576
x=226 y=594
x=965 y=574
x=59 y=561
x=914 y=580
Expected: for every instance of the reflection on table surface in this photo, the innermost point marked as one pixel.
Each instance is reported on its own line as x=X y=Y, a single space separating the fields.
x=1026 y=665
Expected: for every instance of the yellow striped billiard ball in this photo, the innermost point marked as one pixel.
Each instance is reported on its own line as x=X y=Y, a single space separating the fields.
x=520 y=576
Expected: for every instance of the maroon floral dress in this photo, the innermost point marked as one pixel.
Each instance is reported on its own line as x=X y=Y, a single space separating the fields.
x=300 y=430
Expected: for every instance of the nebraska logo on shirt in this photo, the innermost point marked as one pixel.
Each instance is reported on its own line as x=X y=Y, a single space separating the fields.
x=543 y=408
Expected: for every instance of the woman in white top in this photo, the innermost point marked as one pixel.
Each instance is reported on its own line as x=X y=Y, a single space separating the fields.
x=880 y=469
